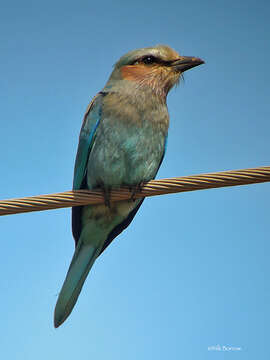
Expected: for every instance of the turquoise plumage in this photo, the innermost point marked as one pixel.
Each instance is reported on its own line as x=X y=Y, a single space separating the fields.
x=122 y=142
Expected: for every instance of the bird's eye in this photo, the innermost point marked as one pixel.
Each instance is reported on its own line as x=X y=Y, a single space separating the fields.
x=149 y=60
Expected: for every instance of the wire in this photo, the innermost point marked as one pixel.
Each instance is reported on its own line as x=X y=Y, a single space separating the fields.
x=151 y=188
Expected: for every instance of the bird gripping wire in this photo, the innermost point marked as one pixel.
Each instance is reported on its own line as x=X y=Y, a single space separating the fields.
x=151 y=188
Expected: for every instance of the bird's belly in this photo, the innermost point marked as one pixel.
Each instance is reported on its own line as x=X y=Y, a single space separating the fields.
x=127 y=156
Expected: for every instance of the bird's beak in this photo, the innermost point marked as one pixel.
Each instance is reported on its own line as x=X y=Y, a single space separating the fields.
x=186 y=62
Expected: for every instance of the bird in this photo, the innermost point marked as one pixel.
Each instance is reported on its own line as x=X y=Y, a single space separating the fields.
x=122 y=142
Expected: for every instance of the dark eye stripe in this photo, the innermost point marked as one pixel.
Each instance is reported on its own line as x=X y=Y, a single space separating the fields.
x=150 y=59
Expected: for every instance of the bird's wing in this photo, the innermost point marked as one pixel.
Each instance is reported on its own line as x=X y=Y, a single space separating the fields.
x=87 y=136
x=120 y=227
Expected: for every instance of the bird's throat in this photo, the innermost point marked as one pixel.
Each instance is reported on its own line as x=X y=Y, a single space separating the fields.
x=151 y=78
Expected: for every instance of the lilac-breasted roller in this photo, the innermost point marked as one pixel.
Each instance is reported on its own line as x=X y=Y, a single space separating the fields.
x=122 y=142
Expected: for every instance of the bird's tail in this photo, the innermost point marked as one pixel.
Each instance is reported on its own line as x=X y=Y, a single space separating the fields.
x=82 y=261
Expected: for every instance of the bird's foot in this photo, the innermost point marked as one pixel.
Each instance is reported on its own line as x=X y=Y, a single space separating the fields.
x=135 y=189
x=106 y=194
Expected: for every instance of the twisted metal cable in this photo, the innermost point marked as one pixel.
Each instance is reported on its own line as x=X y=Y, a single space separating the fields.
x=152 y=188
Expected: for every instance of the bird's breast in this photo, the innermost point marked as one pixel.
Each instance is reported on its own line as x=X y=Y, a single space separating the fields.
x=129 y=143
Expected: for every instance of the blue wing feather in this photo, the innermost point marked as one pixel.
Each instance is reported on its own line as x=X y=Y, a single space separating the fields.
x=86 y=139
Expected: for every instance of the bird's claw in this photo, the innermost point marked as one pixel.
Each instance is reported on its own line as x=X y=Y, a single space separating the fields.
x=106 y=195
x=135 y=189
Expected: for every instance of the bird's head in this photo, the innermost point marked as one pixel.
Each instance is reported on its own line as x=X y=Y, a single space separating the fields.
x=158 y=68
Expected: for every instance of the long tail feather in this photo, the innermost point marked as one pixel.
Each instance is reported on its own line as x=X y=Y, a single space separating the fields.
x=82 y=261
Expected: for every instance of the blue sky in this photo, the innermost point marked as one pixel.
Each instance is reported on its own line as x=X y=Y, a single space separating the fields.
x=192 y=270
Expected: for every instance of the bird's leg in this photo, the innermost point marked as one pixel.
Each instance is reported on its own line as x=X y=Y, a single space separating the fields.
x=106 y=194
x=135 y=189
